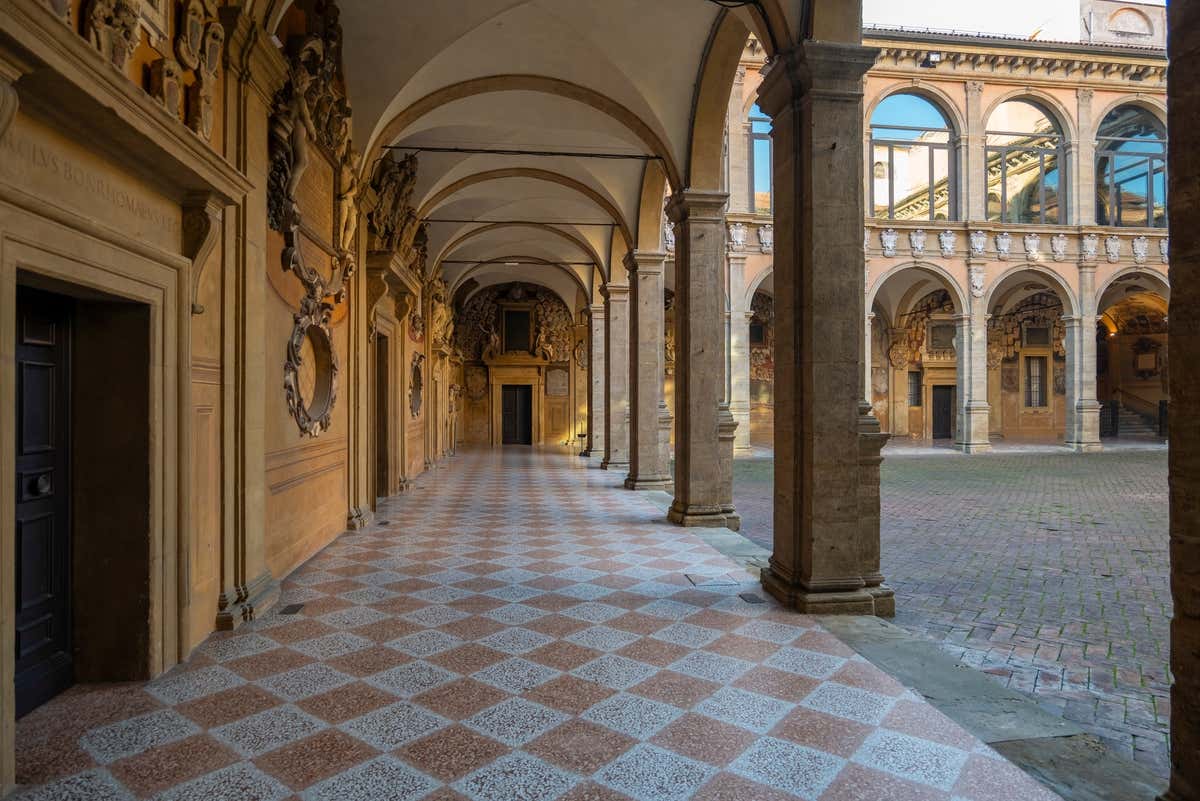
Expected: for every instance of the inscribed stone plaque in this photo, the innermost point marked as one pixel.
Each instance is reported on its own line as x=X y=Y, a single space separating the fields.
x=556 y=382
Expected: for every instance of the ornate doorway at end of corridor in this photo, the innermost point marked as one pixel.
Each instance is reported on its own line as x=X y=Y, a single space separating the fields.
x=517 y=414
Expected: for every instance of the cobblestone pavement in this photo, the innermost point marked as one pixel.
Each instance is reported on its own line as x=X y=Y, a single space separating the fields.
x=515 y=628
x=1046 y=570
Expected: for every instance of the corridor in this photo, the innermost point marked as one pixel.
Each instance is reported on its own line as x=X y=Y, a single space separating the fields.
x=515 y=628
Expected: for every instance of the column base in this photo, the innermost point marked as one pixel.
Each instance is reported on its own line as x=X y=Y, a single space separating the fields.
x=875 y=601
x=1085 y=447
x=974 y=447
x=253 y=601
x=664 y=483
x=701 y=516
x=358 y=519
x=614 y=465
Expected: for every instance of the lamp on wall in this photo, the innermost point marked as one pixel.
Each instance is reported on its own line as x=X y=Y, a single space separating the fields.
x=931 y=60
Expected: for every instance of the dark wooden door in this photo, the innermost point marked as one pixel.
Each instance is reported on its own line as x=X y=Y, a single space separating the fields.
x=43 y=526
x=382 y=421
x=943 y=412
x=517 y=415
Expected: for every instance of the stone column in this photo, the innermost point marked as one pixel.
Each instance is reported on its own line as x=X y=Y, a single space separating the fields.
x=1183 y=108
x=974 y=412
x=976 y=153
x=1082 y=203
x=616 y=378
x=739 y=352
x=647 y=469
x=868 y=393
x=699 y=219
x=826 y=439
x=596 y=366
x=1083 y=410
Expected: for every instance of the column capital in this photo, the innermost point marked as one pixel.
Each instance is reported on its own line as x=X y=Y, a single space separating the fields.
x=830 y=70
x=615 y=292
x=645 y=262
x=701 y=205
x=598 y=311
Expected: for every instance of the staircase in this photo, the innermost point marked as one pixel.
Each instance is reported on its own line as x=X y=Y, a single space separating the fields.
x=1132 y=424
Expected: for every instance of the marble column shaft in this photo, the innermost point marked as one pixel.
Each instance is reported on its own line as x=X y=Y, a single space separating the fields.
x=616 y=377
x=1083 y=410
x=739 y=351
x=1183 y=109
x=699 y=219
x=826 y=440
x=974 y=412
x=647 y=469
x=596 y=367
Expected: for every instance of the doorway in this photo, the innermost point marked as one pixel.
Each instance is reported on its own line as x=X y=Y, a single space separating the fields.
x=382 y=413
x=943 y=412
x=44 y=637
x=517 y=414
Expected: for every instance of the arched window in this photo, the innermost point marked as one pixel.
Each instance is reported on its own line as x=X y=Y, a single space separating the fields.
x=1025 y=164
x=1131 y=169
x=913 y=161
x=760 y=161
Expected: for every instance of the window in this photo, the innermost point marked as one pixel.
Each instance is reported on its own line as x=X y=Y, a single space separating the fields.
x=914 y=388
x=758 y=334
x=1131 y=169
x=760 y=161
x=516 y=330
x=913 y=155
x=1035 y=381
x=1024 y=165
x=1038 y=336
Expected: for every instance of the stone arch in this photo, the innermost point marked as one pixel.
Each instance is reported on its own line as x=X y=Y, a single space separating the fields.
x=1161 y=282
x=583 y=245
x=710 y=104
x=391 y=130
x=650 y=209
x=1151 y=104
x=1058 y=286
x=604 y=203
x=462 y=279
x=1067 y=123
x=946 y=104
x=756 y=283
x=939 y=273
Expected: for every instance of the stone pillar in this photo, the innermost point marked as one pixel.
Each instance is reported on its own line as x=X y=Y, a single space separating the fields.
x=647 y=469
x=975 y=149
x=974 y=412
x=254 y=72
x=739 y=352
x=826 y=439
x=596 y=366
x=616 y=378
x=1082 y=203
x=868 y=393
x=1083 y=410
x=699 y=219
x=1183 y=108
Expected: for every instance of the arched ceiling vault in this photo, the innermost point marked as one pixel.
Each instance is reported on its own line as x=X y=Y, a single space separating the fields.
x=558 y=84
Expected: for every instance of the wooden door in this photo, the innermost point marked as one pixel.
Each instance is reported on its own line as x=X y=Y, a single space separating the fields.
x=943 y=412
x=517 y=414
x=43 y=526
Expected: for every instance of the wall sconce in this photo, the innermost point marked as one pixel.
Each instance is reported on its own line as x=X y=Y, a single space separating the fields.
x=931 y=60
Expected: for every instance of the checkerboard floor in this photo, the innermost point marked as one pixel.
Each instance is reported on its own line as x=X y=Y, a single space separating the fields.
x=517 y=628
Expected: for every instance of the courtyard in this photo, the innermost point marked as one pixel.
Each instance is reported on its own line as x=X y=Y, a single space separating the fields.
x=1044 y=569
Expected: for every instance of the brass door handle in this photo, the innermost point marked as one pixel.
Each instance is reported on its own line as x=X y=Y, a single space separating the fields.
x=42 y=485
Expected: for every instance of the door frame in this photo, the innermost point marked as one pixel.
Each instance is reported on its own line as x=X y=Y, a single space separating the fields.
x=498 y=376
x=933 y=388
x=83 y=256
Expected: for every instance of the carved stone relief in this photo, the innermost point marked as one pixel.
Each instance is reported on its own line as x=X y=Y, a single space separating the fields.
x=1058 y=246
x=1033 y=244
x=416 y=385
x=477 y=382
x=978 y=243
x=887 y=238
x=1087 y=246
x=1112 y=248
x=947 y=241
x=166 y=84
x=766 y=238
x=581 y=355
x=976 y=278
x=112 y=28
x=1164 y=249
x=189 y=37
x=1003 y=244
x=916 y=241
x=310 y=371
x=1141 y=249
x=737 y=237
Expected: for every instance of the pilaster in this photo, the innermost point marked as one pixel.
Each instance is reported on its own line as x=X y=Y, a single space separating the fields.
x=647 y=469
x=975 y=149
x=699 y=218
x=596 y=368
x=826 y=477
x=973 y=408
x=1082 y=202
x=1083 y=410
x=616 y=377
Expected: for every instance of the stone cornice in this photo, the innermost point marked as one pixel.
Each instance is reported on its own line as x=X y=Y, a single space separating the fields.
x=70 y=85
x=961 y=60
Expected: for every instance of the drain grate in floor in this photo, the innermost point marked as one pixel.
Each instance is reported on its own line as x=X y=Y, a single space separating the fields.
x=291 y=609
x=751 y=598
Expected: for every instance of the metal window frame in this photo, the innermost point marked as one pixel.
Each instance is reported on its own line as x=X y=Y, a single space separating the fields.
x=1149 y=162
x=930 y=148
x=1063 y=180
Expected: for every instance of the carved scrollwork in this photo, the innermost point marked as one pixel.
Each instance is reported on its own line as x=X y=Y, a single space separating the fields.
x=310 y=372
x=392 y=220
